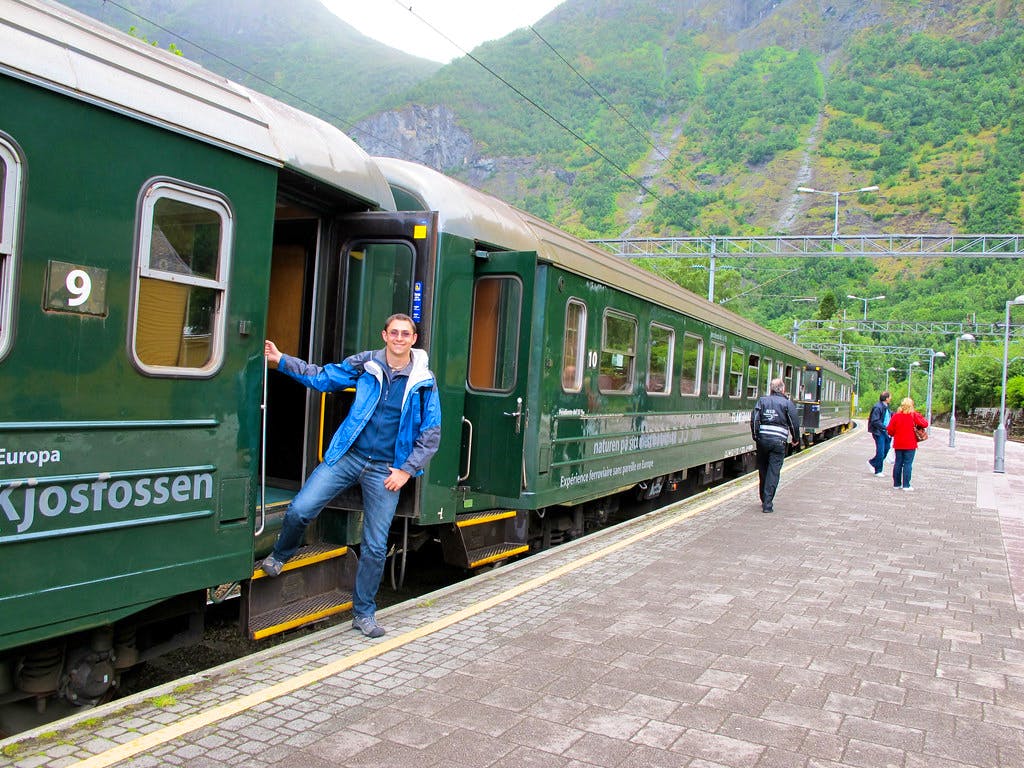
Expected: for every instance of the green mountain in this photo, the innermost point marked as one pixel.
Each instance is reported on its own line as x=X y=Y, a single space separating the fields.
x=298 y=52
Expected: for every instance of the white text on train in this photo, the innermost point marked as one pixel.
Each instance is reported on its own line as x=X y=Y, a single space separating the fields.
x=10 y=458
x=99 y=496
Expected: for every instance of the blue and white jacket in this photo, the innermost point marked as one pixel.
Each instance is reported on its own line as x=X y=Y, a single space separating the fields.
x=419 y=429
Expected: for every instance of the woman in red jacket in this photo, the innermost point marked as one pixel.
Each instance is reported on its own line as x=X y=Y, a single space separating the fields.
x=904 y=441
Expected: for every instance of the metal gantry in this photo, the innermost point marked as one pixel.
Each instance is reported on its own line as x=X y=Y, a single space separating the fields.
x=851 y=246
x=712 y=247
x=942 y=328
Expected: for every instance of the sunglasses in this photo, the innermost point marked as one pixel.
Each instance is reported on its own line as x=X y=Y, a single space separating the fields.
x=397 y=334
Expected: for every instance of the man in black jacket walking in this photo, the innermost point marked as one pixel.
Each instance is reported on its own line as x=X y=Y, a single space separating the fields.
x=773 y=423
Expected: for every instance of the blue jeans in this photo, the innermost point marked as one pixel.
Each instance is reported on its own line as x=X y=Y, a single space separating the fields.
x=379 y=505
x=902 y=468
x=882 y=443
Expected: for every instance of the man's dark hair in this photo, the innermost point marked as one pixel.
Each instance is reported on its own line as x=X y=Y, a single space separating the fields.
x=400 y=316
x=884 y=396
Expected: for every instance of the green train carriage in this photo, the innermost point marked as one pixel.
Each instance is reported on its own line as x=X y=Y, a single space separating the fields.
x=577 y=375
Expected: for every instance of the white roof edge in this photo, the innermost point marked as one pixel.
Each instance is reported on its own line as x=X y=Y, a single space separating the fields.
x=59 y=48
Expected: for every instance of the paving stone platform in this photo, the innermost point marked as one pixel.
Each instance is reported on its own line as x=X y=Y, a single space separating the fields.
x=858 y=625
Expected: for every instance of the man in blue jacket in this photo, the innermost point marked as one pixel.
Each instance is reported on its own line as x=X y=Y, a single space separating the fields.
x=877 y=422
x=389 y=435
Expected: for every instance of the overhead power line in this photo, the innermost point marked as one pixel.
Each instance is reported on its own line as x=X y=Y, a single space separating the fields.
x=589 y=145
x=299 y=99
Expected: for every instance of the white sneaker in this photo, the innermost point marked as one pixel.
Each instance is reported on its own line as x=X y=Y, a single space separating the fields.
x=908 y=488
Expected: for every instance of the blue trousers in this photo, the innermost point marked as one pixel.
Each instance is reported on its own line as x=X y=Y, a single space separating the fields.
x=882 y=443
x=902 y=468
x=379 y=505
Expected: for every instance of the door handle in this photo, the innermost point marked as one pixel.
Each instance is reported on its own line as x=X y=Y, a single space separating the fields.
x=469 y=449
x=517 y=414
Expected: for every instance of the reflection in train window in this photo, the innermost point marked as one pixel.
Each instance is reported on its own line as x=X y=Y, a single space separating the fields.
x=736 y=373
x=659 y=364
x=10 y=198
x=182 y=278
x=693 y=362
x=618 y=353
x=753 y=369
x=494 y=336
x=717 y=379
x=574 y=345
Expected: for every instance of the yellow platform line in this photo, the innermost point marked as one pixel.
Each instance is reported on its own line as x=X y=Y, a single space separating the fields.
x=285 y=687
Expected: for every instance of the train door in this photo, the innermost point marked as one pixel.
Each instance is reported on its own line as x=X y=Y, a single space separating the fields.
x=497 y=375
x=333 y=283
x=809 y=398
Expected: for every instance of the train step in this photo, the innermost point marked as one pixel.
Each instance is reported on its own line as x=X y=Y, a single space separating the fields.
x=316 y=583
x=477 y=539
x=478 y=558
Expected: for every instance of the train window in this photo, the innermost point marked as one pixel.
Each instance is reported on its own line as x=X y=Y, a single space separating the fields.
x=693 y=361
x=618 y=353
x=574 y=345
x=659 y=363
x=717 y=370
x=494 y=337
x=10 y=198
x=766 y=375
x=786 y=374
x=753 y=371
x=182 y=279
x=736 y=373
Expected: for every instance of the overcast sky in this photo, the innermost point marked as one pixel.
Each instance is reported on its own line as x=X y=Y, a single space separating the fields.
x=467 y=22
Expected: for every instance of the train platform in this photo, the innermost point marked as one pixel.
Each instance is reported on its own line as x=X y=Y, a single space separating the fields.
x=858 y=625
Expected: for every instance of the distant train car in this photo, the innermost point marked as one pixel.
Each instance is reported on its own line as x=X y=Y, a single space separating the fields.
x=157 y=222
x=577 y=375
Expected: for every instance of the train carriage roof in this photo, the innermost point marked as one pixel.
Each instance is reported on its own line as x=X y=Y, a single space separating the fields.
x=478 y=216
x=58 y=48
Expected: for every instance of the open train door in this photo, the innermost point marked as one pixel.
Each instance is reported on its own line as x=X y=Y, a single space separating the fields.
x=496 y=378
x=334 y=281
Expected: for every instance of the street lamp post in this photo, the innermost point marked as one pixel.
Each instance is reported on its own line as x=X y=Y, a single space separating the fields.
x=888 y=370
x=910 y=369
x=860 y=298
x=999 y=436
x=856 y=384
x=956 y=361
x=835 y=229
x=932 y=354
